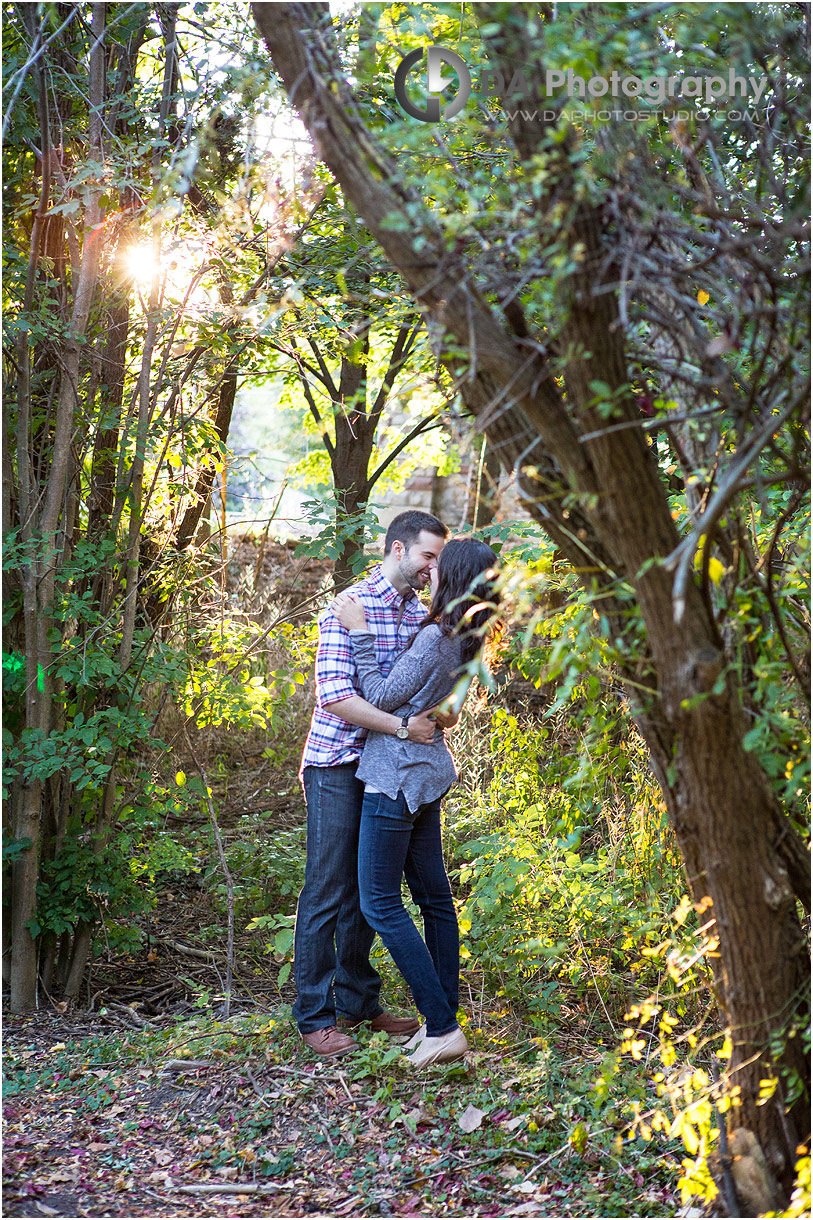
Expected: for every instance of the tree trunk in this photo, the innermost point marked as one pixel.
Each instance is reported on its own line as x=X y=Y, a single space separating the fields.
x=355 y=433
x=111 y=396
x=24 y=874
x=43 y=524
x=203 y=488
x=82 y=946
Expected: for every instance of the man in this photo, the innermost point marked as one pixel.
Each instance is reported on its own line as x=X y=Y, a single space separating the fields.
x=334 y=979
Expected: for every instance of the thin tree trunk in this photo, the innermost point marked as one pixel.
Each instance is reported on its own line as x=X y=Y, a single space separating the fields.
x=224 y=864
x=205 y=483
x=28 y=792
x=82 y=945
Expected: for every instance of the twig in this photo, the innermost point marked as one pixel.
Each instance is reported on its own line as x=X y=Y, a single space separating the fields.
x=226 y=873
x=729 y=1190
x=233 y=1188
x=343 y=1083
x=203 y=955
x=681 y=558
x=186 y=1065
x=140 y=1021
x=253 y=1082
x=803 y=681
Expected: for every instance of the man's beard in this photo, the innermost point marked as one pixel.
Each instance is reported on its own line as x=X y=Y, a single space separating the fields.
x=414 y=576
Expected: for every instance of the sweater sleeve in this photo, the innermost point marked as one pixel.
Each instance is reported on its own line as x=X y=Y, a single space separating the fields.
x=409 y=674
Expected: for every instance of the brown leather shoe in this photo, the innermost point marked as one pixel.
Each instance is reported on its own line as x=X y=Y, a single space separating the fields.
x=388 y=1023
x=329 y=1042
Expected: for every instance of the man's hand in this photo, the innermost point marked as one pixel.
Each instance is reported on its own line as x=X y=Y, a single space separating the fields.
x=421 y=728
x=448 y=719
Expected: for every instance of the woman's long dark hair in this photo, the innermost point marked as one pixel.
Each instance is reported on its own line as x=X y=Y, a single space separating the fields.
x=463 y=584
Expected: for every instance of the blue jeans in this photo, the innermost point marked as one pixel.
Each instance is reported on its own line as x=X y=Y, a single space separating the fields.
x=394 y=843
x=332 y=940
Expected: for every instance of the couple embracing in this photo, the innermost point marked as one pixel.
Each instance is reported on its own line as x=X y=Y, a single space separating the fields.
x=374 y=770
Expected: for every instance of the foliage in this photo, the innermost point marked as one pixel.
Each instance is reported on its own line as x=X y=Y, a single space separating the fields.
x=334 y=532
x=540 y=1136
x=563 y=884
x=800 y=1199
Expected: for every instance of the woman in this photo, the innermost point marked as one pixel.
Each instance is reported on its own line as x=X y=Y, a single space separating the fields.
x=404 y=783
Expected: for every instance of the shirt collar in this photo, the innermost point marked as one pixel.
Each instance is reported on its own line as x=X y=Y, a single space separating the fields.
x=387 y=591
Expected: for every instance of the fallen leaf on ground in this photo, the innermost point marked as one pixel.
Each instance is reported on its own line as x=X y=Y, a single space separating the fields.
x=471 y=1119
x=417 y=1115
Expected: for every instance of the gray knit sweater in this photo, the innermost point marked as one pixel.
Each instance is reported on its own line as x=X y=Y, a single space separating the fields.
x=419 y=678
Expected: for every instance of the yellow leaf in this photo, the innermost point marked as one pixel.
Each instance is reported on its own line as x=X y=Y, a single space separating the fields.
x=767 y=1088
x=578 y=1138
x=716 y=570
x=702 y=297
x=180 y=779
x=690 y=1140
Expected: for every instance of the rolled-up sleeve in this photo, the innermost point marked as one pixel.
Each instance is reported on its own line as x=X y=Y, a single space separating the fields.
x=335 y=665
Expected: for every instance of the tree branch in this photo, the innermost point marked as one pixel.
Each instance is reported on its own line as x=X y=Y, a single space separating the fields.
x=326 y=377
x=425 y=425
x=399 y=355
x=314 y=410
x=682 y=556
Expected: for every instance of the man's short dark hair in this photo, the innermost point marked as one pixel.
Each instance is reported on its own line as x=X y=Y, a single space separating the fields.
x=406 y=527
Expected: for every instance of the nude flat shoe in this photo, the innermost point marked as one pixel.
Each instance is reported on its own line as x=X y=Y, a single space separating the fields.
x=416 y=1039
x=444 y=1049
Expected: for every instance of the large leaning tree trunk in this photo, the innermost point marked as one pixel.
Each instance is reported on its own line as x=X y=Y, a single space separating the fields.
x=739 y=849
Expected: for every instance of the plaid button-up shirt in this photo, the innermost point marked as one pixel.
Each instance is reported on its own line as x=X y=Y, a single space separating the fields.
x=331 y=740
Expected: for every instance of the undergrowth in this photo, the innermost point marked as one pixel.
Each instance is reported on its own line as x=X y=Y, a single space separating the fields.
x=597 y=1056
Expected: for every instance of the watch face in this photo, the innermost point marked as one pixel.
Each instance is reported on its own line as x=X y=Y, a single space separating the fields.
x=403 y=732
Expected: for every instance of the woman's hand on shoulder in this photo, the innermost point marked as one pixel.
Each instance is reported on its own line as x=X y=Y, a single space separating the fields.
x=347 y=608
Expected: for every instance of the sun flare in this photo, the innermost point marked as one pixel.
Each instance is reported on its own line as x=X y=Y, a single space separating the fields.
x=178 y=270
x=141 y=265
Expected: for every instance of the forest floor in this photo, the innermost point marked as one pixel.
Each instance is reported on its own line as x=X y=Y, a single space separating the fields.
x=145 y=1101
x=152 y=1104
x=204 y=1117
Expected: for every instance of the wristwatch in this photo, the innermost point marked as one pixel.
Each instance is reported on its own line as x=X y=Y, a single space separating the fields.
x=403 y=732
